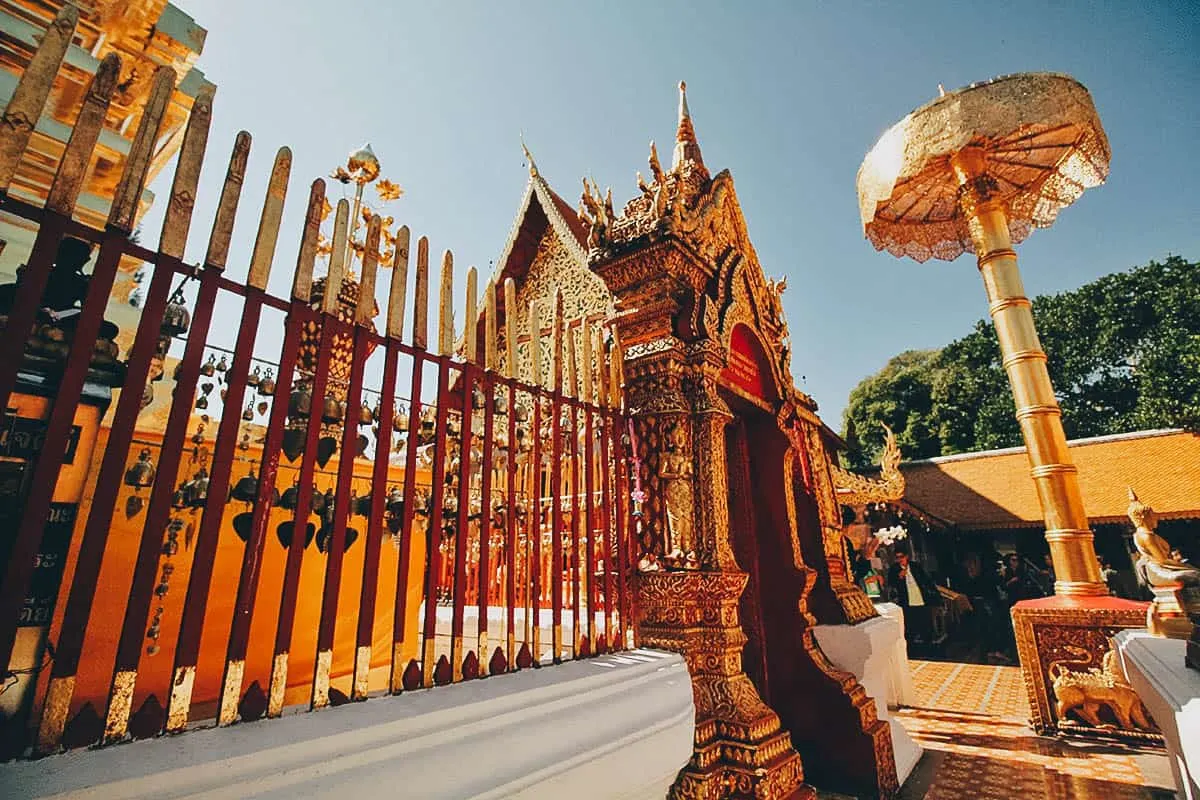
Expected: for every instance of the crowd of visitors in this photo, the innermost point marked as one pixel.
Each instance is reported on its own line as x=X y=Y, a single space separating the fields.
x=982 y=591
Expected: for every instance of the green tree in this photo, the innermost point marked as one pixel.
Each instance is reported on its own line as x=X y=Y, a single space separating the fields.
x=899 y=395
x=1124 y=355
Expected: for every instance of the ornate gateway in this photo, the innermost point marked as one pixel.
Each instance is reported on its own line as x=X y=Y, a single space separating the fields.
x=708 y=384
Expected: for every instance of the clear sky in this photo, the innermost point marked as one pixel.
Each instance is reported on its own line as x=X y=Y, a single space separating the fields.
x=789 y=96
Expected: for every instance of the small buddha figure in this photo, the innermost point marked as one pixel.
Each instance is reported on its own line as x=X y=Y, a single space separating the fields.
x=1176 y=585
x=675 y=470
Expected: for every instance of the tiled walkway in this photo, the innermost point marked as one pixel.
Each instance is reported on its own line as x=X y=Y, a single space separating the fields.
x=971 y=722
x=969 y=688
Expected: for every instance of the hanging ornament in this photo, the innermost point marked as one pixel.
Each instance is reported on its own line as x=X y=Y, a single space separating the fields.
x=209 y=367
x=222 y=365
x=248 y=413
x=266 y=387
x=253 y=378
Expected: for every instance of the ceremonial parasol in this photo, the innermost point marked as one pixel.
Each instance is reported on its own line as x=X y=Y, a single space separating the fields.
x=975 y=170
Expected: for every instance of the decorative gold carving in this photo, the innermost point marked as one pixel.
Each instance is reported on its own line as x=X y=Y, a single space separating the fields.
x=1087 y=692
x=1175 y=611
x=675 y=471
x=854 y=489
x=1064 y=630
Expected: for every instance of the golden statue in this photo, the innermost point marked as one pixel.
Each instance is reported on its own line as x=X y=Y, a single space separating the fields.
x=1086 y=693
x=675 y=469
x=1175 y=611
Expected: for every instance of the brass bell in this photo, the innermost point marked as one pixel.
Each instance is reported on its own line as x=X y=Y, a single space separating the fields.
x=246 y=489
x=248 y=414
x=176 y=320
x=334 y=409
x=209 y=367
x=201 y=403
x=400 y=422
x=199 y=492
x=266 y=387
x=365 y=415
x=300 y=404
x=253 y=378
x=222 y=365
x=141 y=474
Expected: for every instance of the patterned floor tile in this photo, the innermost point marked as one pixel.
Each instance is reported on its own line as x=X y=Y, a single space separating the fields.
x=970 y=719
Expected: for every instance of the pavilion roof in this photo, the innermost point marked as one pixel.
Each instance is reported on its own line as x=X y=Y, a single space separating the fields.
x=993 y=489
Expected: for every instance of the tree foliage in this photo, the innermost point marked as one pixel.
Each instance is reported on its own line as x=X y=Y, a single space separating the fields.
x=1124 y=355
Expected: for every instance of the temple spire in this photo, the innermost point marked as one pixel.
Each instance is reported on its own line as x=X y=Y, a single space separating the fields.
x=686 y=146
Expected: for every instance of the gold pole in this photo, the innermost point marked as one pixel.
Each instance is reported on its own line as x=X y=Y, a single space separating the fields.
x=1076 y=570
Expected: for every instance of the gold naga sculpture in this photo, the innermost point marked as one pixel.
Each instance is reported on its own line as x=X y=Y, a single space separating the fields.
x=1086 y=693
x=854 y=489
x=1175 y=611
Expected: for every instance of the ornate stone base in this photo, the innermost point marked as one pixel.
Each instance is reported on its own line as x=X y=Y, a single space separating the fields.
x=854 y=602
x=740 y=748
x=1174 y=611
x=1064 y=645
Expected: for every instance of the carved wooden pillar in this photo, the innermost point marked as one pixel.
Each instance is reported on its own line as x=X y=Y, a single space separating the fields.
x=740 y=747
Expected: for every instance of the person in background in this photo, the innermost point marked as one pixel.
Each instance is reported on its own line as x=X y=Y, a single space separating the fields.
x=1019 y=583
x=870 y=580
x=1110 y=575
x=915 y=592
x=980 y=586
x=1047 y=571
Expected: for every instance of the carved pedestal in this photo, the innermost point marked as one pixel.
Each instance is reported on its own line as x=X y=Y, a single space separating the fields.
x=740 y=749
x=1065 y=648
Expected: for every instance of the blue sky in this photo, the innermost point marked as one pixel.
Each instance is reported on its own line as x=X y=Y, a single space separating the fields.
x=788 y=96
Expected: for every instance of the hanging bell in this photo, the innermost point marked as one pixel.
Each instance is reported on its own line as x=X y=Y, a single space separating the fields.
x=501 y=402
x=300 y=403
x=222 y=365
x=176 y=319
x=141 y=474
x=375 y=413
x=199 y=493
x=522 y=413
x=287 y=500
x=266 y=387
x=248 y=413
x=333 y=410
x=253 y=378
x=209 y=367
x=400 y=421
x=246 y=489
x=365 y=415
x=201 y=403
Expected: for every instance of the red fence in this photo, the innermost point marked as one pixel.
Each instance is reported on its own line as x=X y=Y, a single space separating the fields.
x=408 y=516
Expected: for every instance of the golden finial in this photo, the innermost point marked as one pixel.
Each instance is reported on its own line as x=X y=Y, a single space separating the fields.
x=533 y=170
x=686 y=147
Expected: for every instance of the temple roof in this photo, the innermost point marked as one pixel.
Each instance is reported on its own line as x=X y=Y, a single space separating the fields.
x=993 y=489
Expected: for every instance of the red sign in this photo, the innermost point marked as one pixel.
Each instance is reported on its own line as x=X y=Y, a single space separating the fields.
x=748 y=368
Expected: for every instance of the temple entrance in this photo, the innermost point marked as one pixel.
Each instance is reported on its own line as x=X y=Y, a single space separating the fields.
x=779 y=657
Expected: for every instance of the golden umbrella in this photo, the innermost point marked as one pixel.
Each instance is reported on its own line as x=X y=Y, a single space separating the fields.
x=975 y=170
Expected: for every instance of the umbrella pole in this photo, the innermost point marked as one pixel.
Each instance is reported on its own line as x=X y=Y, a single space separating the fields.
x=1077 y=571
